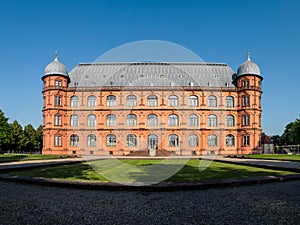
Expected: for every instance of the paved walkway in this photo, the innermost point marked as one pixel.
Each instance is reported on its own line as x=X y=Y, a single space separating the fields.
x=272 y=164
x=37 y=163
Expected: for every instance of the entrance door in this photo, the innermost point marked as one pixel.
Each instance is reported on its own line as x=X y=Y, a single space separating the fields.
x=152 y=141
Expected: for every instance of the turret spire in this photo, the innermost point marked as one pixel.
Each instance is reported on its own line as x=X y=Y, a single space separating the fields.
x=249 y=55
x=56 y=55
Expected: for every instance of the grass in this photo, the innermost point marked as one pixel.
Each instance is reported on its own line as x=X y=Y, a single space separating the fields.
x=23 y=157
x=275 y=156
x=139 y=170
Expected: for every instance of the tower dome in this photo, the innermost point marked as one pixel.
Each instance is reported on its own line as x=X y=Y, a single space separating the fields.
x=248 y=67
x=56 y=68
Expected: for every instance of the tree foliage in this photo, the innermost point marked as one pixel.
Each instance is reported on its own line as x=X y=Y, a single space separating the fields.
x=13 y=138
x=291 y=134
x=5 y=132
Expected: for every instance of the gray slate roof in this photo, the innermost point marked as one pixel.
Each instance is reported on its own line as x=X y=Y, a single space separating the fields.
x=152 y=74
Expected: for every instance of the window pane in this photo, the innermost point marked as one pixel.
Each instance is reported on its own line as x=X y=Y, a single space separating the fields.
x=173 y=101
x=152 y=120
x=131 y=101
x=173 y=120
x=131 y=140
x=230 y=141
x=131 y=120
x=91 y=120
x=74 y=101
x=193 y=140
x=173 y=140
x=92 y=101
x=111 y=140
x=193 y=101
x=111 y=101
x=212 y=120
x=229 y=102
x=193 y=120
x=111 y=120
x=152 y=141
x=212 y=140
x=212 y=101
x=152 y=101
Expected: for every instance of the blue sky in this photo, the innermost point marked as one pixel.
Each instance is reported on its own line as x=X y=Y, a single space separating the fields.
x=217 y=31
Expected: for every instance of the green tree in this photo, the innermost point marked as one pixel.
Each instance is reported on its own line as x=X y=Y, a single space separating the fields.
x=39 y=136
x=286 y=137
x=5 y=133
x=295 y=132
x=30 y=138
x=18 y=137
x=291 y=134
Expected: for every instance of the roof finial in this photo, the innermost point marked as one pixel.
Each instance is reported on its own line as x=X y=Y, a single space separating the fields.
x=56 y=55
x=249 y=56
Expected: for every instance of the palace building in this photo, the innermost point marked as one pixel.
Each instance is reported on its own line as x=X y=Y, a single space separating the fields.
x=141 y=108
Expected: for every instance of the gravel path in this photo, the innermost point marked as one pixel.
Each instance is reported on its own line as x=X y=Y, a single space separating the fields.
x=277 y=203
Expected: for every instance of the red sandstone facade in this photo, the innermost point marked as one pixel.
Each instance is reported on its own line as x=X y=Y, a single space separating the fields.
x=119 y=119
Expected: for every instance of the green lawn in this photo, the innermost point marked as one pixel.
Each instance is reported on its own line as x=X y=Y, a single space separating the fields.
x=275 y=156
x=133 y=170
x=23 y=157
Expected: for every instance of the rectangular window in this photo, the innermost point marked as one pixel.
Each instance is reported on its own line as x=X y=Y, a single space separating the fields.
x=57 y=83
x=57 y=120
x=57 y=141
x=246 y=140
x=246 y=120
x=57 y=100
x=246 y=100
x=152 y=102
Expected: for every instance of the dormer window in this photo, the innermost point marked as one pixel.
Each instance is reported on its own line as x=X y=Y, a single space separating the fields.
x=245 y=83
x=58 y=83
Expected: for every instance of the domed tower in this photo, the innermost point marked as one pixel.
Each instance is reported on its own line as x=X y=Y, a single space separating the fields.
x=56 y=81
x=248 y=82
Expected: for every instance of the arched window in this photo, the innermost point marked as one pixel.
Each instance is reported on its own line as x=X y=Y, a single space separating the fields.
x=173 y=140
x=212 y=101
x=212 y=120
x=131 y=140
x=92 y=101
x=57 y=100
x=131 y=120
x=173 y=120
x=193 y=120
x=74 y=140
x=152 y=120
x=91 y=140
x=152 y=141
x=173 y=101
x=212 y=140
x=131 y=101
x=193 y=140
x=230 y=141
x=111 y=101
x=152 y=101
x=230 y=121
x=57 y=120
x=246 y=140
x=74 y=121
x=111 y=120
x=193 y=101
x=111 y=140
x=74 y=101
x=91 y=120
x=57 y=140
x=229 y=102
